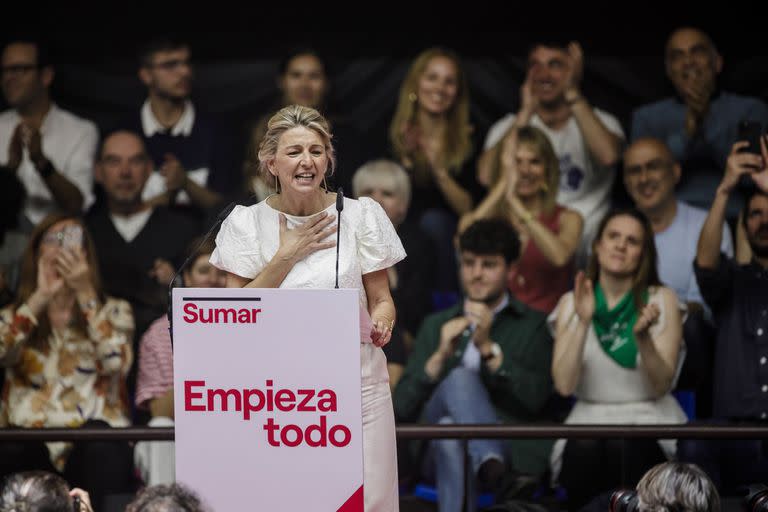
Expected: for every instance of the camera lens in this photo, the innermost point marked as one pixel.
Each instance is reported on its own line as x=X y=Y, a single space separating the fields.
x=624 y=500
x=756 y=499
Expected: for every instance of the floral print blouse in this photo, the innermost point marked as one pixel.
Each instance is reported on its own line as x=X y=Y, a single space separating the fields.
x=77 y=377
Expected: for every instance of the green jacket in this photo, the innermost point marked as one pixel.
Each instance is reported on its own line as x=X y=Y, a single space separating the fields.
x=519 y=389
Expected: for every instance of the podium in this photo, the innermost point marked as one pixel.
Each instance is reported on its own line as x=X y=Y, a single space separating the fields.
x=268 y=398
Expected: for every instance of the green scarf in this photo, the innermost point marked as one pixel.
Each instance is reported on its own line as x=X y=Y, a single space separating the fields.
x=614 y=327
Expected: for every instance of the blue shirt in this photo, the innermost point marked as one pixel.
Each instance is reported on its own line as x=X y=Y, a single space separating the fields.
x=702 y=157
x=676 y=248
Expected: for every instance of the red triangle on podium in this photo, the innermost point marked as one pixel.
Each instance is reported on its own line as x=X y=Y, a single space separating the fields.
x=354 y=503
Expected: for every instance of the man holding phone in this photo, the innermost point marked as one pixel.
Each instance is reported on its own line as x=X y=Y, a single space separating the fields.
x=701 y=122
x=485 y=360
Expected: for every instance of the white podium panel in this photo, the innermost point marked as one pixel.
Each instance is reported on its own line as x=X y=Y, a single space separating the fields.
x=267 y=398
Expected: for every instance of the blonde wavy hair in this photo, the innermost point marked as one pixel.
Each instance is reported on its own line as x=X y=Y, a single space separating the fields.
x=289 y=117
x=536 y=140
x=457 y=143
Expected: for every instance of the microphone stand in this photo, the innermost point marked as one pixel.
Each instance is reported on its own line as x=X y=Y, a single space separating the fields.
x=339 y=208
x=219 y=219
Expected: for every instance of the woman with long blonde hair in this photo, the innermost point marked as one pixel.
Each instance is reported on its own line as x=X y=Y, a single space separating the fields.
x=431 y=136
x=550 y=233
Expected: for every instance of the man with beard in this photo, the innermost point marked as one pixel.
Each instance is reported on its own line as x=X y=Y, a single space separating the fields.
x=485 y=360
x=586 y=139
x=191 y=154
x=701 y=121
x=738 y=296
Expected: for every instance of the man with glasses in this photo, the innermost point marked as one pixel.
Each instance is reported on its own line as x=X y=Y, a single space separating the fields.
x=51 y=150
x=194 y=166
x=650 y=176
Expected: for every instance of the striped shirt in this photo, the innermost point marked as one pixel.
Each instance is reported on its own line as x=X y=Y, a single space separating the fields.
x=155 y=363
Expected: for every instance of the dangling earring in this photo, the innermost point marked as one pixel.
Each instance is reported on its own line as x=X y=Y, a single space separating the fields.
x=277 y=184
x=412 y=97
x=325 y=184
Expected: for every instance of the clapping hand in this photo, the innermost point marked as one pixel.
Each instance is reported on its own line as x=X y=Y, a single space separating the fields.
x=648 y=317
x=584 y=298
x=174 y=173
x=575 y=65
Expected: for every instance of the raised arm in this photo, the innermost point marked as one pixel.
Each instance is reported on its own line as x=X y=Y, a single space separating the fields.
x=489 y=158
x=659 y=352
x=558 y=248
x=708 y=249
x=602 y=144
x=571 y=336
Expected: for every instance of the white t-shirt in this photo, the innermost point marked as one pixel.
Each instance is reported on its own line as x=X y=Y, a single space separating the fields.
x=129 y=226
x=585 y=186
x=69 y=142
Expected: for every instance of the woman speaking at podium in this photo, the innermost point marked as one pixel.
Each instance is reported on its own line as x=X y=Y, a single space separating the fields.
x=288 y=240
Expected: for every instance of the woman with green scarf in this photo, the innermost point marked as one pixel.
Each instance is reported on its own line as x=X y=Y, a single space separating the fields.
x=618 y=340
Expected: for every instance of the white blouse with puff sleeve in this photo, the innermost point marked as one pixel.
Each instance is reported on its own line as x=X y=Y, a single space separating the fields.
x=250 y=236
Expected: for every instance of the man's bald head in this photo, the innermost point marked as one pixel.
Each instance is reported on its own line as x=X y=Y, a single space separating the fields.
x=650 y=174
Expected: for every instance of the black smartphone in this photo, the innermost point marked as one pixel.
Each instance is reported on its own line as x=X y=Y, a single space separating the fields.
x=750 y=131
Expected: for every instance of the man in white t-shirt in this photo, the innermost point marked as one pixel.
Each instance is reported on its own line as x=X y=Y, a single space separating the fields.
x=51 y=150
x=587 y=140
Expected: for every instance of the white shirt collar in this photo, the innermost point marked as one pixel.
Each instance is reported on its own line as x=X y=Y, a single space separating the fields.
x=53 y=111
x=183 y=126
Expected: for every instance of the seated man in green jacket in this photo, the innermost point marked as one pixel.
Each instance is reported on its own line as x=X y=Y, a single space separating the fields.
x=486 y=360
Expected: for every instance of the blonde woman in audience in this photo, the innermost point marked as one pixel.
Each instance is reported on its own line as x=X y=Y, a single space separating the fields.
x=549 y=232
x=431 y=136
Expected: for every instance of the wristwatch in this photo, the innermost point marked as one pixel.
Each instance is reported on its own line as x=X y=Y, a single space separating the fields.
x=495 y=352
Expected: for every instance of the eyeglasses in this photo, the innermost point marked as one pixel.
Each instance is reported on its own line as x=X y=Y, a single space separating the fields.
x=171 y=65
x=655 y=166
x=17 y=69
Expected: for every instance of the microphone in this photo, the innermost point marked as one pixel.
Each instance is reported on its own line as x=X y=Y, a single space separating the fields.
x=339 y=207
x=219 y=219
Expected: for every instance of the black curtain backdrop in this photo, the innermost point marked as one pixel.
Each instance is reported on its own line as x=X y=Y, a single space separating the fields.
x=96 y=72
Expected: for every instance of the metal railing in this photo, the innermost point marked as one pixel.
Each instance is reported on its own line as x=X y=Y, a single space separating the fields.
x=407 y=431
